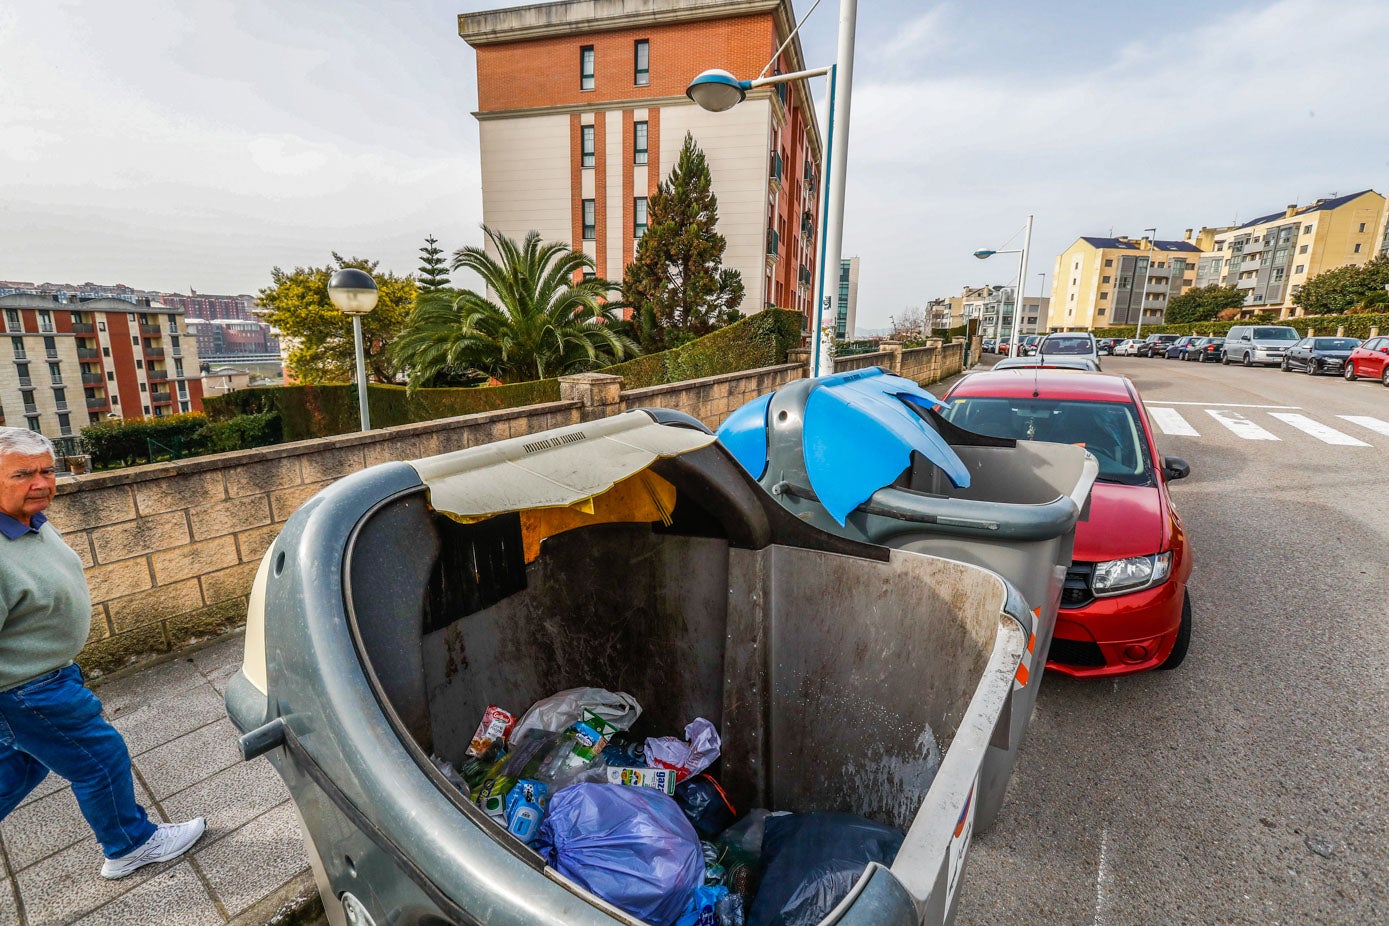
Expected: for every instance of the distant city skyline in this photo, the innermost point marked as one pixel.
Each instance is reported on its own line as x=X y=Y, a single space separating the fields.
x=168 y=147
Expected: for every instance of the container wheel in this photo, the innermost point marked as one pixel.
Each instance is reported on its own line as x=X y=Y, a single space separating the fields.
x=1179 y=648
x=1350 y=373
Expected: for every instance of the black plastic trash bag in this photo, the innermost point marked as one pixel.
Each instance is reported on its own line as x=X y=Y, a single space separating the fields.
x=812 y=861
x=632 y=847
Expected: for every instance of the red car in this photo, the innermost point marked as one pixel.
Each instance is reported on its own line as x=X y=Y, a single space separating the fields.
x=1124 y=607
x=1370 y=360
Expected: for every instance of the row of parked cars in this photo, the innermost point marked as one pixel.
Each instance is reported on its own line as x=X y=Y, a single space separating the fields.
x=1266 y=345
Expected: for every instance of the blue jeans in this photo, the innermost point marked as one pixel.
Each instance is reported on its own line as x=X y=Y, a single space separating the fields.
x=54 y=723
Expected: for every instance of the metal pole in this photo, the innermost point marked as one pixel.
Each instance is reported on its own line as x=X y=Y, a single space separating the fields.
x=1022 y=284
x=361 y=373
x=820 y=303
x=839 y=153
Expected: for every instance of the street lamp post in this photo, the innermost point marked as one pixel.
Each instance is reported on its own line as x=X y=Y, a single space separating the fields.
x=985 y=254
x=354 y=293
x=717 y=90
x=1042 y=294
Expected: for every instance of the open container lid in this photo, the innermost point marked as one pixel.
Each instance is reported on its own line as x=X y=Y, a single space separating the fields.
x=525 y=472
x=858 y=436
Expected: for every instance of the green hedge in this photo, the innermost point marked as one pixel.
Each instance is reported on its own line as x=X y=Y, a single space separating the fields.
x=305 y=412
x=1357 y=326
x=760 y=340
x=324 y=410
x=123 y=442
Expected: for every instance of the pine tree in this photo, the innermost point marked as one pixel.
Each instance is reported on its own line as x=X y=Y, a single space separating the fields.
x=676 y=283
x=434 y=267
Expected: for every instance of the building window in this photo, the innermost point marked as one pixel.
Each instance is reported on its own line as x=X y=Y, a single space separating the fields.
x=1302 y=250
x=589 y=275
x=1109 y=263
x=55 y=372
x=143 y=388
x=139 y=364
x=1300 y=268
x=638 y=216
x=106 y=352
x=1362 y=228
x=1357 y=248
x=1306 y=229
x=101 y=326
x=643 y=64
x=45 y=320
x=1104 y=295
x=110 y=376
x=586 y=68
x=60 y=397
x=590 y=220
x=639 y=136
x=12 y=319
x=588 y=141
x=1099 y=312
x=1105 y=279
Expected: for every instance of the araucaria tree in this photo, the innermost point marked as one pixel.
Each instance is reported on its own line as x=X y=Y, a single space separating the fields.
x=319 y=336
x=434 y=267
x=676 y=284
x=532 y=322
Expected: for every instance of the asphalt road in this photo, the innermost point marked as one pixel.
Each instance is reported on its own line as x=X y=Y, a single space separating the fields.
x=1251 y=785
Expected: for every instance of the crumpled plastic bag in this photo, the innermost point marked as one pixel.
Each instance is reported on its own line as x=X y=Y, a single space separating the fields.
x=813 y=860
x=561 y=709
x=689 y=757
x=702 y=906
x=632 y=847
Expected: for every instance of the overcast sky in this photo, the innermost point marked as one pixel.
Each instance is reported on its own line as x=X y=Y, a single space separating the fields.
x=171 y=146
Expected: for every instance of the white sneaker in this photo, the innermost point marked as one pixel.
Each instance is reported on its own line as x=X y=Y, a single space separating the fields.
x=169 y=841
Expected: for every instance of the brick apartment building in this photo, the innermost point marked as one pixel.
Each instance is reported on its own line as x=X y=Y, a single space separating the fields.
x=65 y=364
x=582 y=113
x=204 y=305
x=231 y=339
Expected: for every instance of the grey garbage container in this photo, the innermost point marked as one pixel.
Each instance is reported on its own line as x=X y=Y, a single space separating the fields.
x=635 y=554
x=864 y=455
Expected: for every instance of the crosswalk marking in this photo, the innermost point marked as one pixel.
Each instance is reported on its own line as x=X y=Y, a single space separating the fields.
x=1365 y=421
x=1170 y=421
x=1322 y=432
x=1219 y=404
x=1240 y=425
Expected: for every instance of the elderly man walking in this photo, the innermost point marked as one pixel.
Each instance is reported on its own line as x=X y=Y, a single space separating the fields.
x=49 y=720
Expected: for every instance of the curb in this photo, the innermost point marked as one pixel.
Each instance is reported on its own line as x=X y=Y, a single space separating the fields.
x=295 y=904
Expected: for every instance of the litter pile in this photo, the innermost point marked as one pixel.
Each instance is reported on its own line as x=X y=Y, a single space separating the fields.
x=644 y=824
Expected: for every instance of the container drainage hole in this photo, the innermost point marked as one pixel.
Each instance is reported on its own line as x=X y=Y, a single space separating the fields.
x=351 y=866
x=781 y=416
x=280 y=563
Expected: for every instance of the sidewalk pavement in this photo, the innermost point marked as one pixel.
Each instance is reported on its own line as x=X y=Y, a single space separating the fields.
x=250 y=866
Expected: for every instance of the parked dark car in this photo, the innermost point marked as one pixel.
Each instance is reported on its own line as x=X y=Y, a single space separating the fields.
x=1370 y=360
x=1107 y=345
x=1203 y=350
x=989 y=345
x=1319 y=355
x=1154 y=344
x=1178 y=348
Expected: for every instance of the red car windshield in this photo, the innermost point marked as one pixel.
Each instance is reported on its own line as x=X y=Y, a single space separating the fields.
x=1109 y=430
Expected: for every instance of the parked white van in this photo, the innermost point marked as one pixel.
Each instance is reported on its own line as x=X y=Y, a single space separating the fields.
x=1263 y=344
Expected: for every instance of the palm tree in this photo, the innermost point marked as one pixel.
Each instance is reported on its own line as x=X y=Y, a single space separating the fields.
x=539 y=325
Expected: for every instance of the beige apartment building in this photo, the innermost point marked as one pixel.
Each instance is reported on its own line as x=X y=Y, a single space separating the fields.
x=1270 y=257
x=1099 y=282
x=993 y=307
x=582 y=113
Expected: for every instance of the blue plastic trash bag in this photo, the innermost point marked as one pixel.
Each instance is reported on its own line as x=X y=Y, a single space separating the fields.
x=812 y=862
x=632 y=847
x=702 y=907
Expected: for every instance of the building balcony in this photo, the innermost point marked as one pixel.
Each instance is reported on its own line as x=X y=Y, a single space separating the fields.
x=803 y=275
x=151 y=330
x=160 y=398
x=158 y=376
x=86 y=354
x=773 y=244
x=31 y=409
x=60 y=406
x=26 y=382
x=92 y=379
x=99 y=404
x=776 y=168
x=57 y=380
x=154 y=352
x=47 y=329
x=83 y=328
x=51 y=354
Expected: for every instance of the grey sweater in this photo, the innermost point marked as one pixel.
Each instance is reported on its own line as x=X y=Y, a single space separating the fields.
x=45 y=608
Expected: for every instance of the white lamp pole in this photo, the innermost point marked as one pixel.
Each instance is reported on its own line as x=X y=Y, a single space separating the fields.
x=985 y=254
x=354 y=293
x=717 y=90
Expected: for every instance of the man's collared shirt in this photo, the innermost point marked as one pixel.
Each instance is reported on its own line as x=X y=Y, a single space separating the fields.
x=13 y=529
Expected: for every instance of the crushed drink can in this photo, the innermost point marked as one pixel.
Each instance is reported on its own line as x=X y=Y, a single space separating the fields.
x=495 y=728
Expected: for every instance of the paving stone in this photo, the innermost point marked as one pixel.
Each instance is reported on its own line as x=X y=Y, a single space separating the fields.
x=68 y=884
x=9 y=908
x=225 y=652
x=146 y=726
x=189 y=759
x=175 y=897
x=37 y=829
x=252 y=862
x=152 y=684
x=230 y=798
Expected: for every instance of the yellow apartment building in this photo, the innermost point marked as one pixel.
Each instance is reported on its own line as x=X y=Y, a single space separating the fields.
x=1100 y=282
x=1271 y=256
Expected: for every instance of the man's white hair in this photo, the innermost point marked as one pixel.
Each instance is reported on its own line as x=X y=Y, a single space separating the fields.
x=25 y=442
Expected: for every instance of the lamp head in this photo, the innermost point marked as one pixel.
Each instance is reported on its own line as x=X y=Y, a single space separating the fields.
x=984 y=253
x=353 y=291
x=717 y=90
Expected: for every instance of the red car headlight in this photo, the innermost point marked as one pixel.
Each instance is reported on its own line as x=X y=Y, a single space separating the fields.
x=1121 y=576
